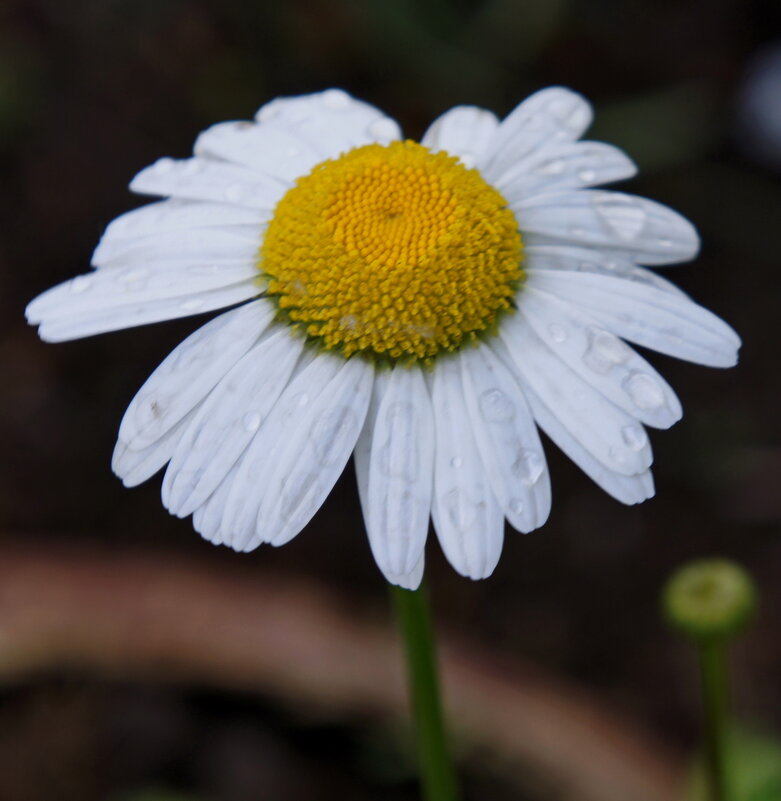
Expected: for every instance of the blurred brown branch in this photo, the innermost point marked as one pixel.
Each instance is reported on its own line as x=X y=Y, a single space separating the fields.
x=147 y=613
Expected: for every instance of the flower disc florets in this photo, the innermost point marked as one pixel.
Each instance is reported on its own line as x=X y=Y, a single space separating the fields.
x=392 y=252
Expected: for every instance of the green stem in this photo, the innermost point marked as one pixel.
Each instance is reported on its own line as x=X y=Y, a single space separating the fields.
x=713 y=672
x=436 y=767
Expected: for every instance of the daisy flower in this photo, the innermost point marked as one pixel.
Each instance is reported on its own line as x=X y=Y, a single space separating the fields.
x=426 y=306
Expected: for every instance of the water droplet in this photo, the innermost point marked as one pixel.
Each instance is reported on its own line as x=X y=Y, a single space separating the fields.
x=191 y=305
x=401 y=512
x=623 y=215
x=398 y=455
x=604 y=351
x=551 y=167
x=557 y=333
x=587 y=176
x=516 y=506
x=461 y=512
x=300 y=497
x=495 y=406
x=644 y=390
x=162 y=166
x=80 y=284
x=235 y=193
x=456 y=462
x=251 y=421
x=331 y=432
x=529 y=466
x=335 y=99
x=635 y=437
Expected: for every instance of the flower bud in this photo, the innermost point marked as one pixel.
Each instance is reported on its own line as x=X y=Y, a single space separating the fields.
x=709 y=599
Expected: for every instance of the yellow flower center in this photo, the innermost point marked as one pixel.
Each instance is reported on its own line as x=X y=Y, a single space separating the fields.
x=392 y=252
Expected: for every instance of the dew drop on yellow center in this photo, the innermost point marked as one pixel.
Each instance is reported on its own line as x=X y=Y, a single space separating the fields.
x=392 y=252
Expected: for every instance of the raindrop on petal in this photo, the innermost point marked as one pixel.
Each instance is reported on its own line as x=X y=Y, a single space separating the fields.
x=299 y=497
x=329 y=433
x=644 y=390
x=495 y=406
x=251 y=422
x=557 y=333
x=516 y=506
x=623 y=215
x=529 y=466
x=604 y=351
x=634 y=436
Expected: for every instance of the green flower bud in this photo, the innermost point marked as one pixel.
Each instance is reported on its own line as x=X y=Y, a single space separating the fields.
x=709 y=599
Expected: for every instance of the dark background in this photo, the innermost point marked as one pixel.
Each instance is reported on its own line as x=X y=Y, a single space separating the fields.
x=91 y=91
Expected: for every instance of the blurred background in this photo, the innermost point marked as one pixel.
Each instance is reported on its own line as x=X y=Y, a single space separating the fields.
x=138 y=663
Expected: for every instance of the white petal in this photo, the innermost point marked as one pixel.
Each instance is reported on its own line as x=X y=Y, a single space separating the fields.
x=601 y=358
x=464 y=131
x=200 y=244
x=363 y=447
x=80 y=323
x=648 y=316
x=239 y=523
x=330 y=122
x=164 y=216
x=626 y=489
x=553 y=114
x=207 y=518
x=645 y=231
x=136 y=466
x=228 y=420
x=609 y=434
x=259 y=147
x=98 y=294
x=314 y=452
x=400 y=471
x=507 y=439
x=466 y=515
x=362 y=454
x=190 y=371
x=210 y=180
x=588 y=260
x=411 y=580
x=565 y=165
